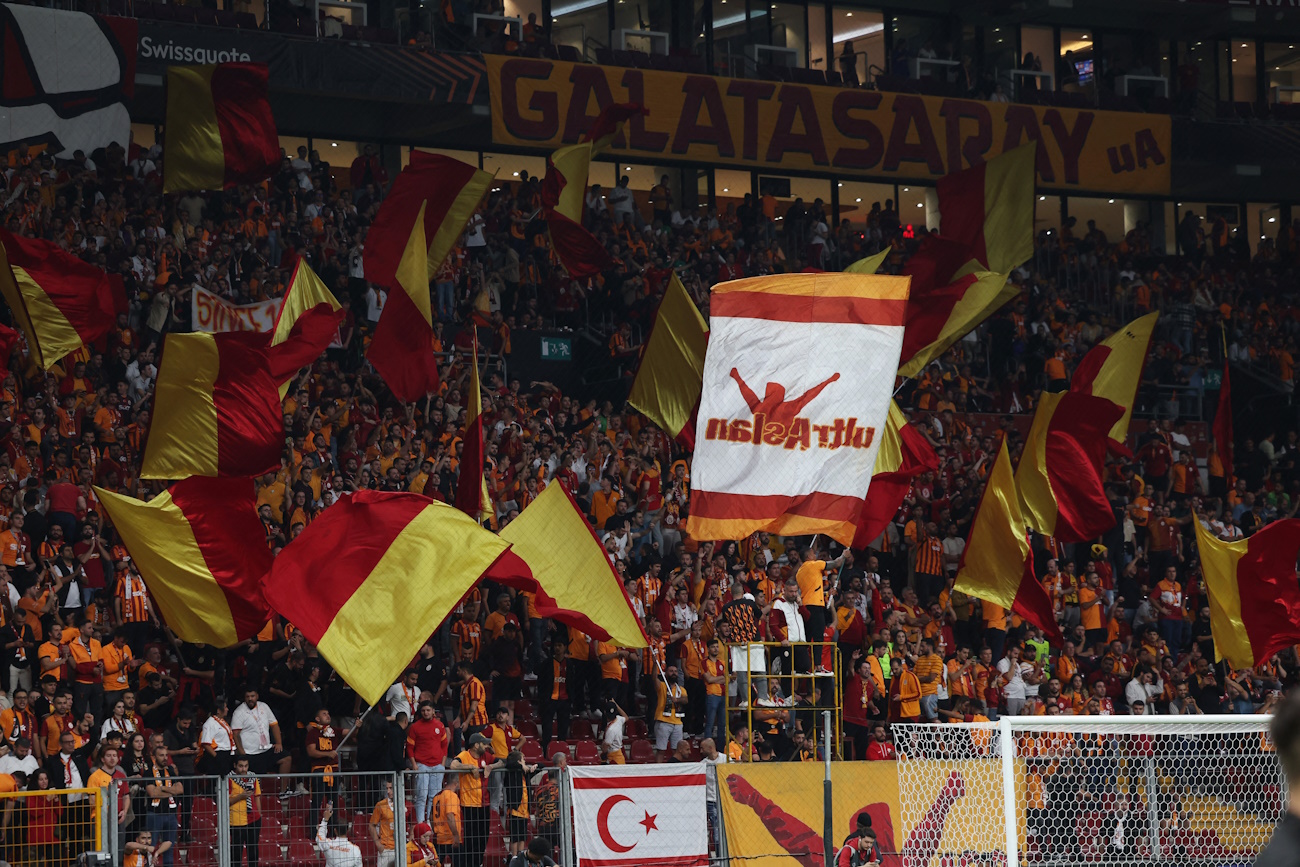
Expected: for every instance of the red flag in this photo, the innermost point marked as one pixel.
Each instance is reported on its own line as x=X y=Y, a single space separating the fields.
x=904 y=454
x=220 y=130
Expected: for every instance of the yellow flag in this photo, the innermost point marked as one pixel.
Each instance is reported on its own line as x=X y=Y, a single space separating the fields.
x=1113 y=369
x=572 y=569
x=671 y=373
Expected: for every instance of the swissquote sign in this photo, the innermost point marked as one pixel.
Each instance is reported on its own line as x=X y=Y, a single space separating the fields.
x=626 y=815
x=844 y=131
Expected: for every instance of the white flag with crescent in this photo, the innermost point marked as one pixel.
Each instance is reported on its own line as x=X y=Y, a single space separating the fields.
x=627 y=815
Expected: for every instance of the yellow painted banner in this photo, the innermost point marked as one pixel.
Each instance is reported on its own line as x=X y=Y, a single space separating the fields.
x=773 y=812
x=848 y=132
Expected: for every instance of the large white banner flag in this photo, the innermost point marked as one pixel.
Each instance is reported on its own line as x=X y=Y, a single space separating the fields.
x=797 y=383
x=626 y=815
x=211 y=312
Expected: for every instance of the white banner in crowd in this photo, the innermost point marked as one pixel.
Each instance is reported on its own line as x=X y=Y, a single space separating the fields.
x=214 y=313
x=626 y=815
x=797 y=383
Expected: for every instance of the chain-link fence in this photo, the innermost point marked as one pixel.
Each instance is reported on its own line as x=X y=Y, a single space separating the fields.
x=1108 y=790
x=46 y=826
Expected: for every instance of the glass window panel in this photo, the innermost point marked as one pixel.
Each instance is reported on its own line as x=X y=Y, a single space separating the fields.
x=858 y=37
x=788 y=30
x=912 y=209
x=582 y=24
x=1282 y=66
x=511 y=167
x=1074 y=70
x=817 y=56
x=1036 y=44
x=1243 y=70
x=729 y=37
x=999 y=59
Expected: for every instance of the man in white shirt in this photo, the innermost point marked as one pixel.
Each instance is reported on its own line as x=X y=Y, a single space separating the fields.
x=334 y=844
x=404 y=696
x=621 y=201
x=788 y=605
x=709 y=753
x=21 y=759
x=217 y=740
x=1013 y=673
x=376 y=298
x=256 y=732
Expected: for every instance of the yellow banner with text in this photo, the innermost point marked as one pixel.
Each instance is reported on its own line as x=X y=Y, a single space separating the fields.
x=850 y=132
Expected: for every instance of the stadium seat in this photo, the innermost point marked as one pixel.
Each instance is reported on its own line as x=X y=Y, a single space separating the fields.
x=557 y=746
x=643 y=752
x=586 y=753
x=203 y=829
x=197 y=855
x=524 y=710
x=532 y=751
x=302 y=852
x=246 y=21
x=636 y=728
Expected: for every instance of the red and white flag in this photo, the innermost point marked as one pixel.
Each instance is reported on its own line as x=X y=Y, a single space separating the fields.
x=797 y=385
x=642 y=815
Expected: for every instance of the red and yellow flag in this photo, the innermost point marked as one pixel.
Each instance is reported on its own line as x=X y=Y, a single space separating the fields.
x=199 y=548
x=416 y=227
x=671 y=372
x=990 y=209
x=376 y=573
x=59 y=302
x=1254 y=593
x=448 y=191
x=220 y=130
x=307 y=321
x=998 y=564
x=1060 y=473
x=904 y=454
x=564 y=191
x=577 y=585
x=402 y=349
x=216 y=408
x=960 y=277
x=471 y=488
x=1113 y=369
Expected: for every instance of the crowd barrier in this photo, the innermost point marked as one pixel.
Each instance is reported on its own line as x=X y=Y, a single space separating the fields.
x=1168 y=792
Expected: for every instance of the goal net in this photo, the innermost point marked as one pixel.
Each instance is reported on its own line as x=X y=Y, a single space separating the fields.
x=1087 y=790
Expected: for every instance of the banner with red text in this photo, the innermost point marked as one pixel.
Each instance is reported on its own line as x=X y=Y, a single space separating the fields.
x=629 y=815
x=788 y=127
x=797 y=383
x=213 y=313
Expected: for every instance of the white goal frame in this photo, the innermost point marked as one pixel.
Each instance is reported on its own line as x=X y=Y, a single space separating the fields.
x=929 y=752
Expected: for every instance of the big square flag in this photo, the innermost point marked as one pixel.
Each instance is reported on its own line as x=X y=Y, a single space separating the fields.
x=640 y=815
x=797 y=384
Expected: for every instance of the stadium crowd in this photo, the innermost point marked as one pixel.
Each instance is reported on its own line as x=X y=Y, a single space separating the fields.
x=94 y=684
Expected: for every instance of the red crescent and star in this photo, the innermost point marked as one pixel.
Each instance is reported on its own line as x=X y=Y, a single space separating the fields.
x=602 y=823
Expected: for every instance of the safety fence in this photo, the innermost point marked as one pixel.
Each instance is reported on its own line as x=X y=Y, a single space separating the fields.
x=1040 y=790
x=1118 y=790
x=47 y=826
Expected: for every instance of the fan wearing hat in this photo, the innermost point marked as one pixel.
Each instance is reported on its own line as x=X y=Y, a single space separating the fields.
x=420 y=851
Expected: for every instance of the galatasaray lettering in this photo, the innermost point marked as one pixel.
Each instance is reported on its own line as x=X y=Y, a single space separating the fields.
x=546 y=104
x=800 y=433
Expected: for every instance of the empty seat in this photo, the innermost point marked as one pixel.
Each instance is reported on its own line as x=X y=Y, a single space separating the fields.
x=532 y=751
x=245 y=20
x=643 y=752
x=586 y=753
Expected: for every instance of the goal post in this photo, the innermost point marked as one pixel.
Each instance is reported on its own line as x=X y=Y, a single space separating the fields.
x=1067 y=790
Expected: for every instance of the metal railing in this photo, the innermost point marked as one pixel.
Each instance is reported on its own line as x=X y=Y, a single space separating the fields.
x=796 y=670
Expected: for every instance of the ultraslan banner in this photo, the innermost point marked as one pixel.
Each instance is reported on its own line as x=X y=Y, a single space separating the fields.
x=846 y=131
